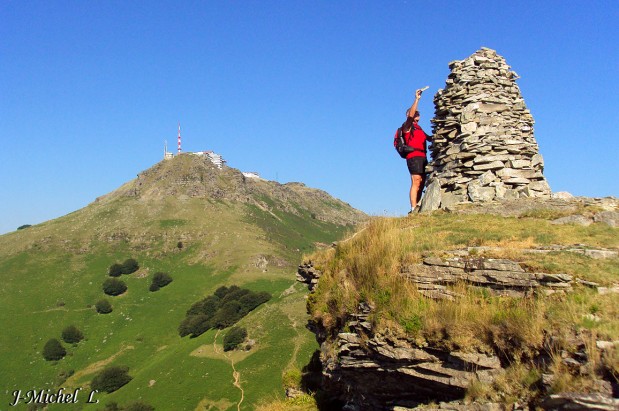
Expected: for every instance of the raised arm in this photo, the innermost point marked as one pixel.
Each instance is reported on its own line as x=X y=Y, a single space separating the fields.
x=413 y=109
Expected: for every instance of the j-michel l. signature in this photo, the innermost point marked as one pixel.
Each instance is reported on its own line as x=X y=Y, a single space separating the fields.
x=51 y=397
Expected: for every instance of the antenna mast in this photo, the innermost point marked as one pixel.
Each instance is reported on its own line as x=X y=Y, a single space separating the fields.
x=179 y=137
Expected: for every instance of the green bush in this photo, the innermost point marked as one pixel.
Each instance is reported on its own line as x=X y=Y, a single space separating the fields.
x=53 y=350
x=234 y=337
x=103 y=307
x=130 y=266
x=21 y=227
x=221 y=310
x=115 y=270
x=160 y=280
x=139 y=406
x=208 y=306
x=110 y=379
x=112 y=286
x=72 y=335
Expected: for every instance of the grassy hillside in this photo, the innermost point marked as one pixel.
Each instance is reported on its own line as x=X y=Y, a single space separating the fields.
x=251 y=234
x=518 y=330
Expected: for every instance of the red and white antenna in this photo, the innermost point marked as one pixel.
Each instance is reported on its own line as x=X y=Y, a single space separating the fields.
x=179 y=137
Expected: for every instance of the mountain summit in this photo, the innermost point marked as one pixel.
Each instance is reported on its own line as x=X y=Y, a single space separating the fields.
x=186 y=220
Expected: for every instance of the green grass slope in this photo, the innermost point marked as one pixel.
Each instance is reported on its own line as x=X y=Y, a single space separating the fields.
x=206 y=228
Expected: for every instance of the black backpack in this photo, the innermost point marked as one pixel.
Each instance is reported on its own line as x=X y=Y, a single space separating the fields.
x=400 y=145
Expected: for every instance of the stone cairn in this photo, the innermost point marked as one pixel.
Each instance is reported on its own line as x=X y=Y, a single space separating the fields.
x=484 y=148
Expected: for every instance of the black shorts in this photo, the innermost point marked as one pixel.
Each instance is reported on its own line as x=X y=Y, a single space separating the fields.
x=417 y=165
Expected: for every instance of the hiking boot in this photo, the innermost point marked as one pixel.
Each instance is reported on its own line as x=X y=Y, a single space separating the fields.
x=414 y=210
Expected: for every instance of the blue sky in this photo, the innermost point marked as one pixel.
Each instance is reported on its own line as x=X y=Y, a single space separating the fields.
x=308 y=91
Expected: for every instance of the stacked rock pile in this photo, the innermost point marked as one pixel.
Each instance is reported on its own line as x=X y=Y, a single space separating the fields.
x=484 y=148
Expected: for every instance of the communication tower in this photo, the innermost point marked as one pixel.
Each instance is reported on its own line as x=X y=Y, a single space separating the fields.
x=179 y=137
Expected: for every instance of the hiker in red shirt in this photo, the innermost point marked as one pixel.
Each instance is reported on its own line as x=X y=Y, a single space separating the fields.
x=416 y=161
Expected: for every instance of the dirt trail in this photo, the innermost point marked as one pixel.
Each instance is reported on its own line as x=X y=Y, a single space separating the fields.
x=297 y=343
x=235 y=374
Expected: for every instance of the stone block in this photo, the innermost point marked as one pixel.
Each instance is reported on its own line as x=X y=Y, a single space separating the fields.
x=478 y=193
x=500 y=191
x=486 y=178
x=449 y=200
x=495 y=165
x=610 y=218
x=493 y=108
x=541 y=185
x=468 y=127
x=432 y=198
x=562 y=195
x=520 y=163
x=537 y=160
x=574 y=219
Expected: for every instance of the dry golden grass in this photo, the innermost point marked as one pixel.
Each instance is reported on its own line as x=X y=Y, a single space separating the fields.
x=302 y=403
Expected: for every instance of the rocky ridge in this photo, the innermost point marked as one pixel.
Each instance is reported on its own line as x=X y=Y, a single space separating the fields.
x=190 y=176
x=380 y=371
x=373 y=371
x=484 y=147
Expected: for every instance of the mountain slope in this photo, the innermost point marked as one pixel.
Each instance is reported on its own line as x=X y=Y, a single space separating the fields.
x=204 y=226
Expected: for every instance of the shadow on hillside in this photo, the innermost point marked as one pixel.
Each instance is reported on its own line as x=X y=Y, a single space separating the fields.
x=311 y=381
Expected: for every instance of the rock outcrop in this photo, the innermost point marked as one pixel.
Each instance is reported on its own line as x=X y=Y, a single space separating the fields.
x=377 y=372
x=484 y=147
x=499 y=276
x=373 y=371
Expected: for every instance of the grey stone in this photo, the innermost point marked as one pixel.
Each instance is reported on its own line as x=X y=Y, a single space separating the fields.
x=468 y=127
x=574 y=219
x=610 y=218
x=478 y=193
x=601 y=254
x=517 y=181
x=448 y=200
x=495 y=165
x=432 y=198
x=540 y=186
x=519 y=163
x=562 y=195
x=537 y=160
x=486 y=178
x=500 y=191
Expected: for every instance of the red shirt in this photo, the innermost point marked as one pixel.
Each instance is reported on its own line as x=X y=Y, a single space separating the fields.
x=415 y=138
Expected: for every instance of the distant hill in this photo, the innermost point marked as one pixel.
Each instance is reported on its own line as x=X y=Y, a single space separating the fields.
x=206 y=227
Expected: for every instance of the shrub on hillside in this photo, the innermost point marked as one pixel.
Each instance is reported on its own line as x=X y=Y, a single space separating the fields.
x=110 y=379
x=160 y=280
x=115 y=270
x=139 y=406
x=72 y=335
x=53 y=350
x=103 y=307
x=220 y=310
x=130 y=266
x=112 y=286
x=234 y=337
x=21 y=227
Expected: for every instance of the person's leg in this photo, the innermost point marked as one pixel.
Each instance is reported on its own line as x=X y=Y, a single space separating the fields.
x=421 y=186
x=415 y=193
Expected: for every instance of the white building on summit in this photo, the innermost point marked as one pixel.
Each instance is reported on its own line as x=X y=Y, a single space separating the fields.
x=215 y=158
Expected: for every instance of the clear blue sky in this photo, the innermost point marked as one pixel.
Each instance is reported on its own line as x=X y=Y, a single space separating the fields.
x=308 y=91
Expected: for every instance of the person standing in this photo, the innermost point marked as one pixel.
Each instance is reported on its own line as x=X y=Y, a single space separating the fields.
x=416 y=160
